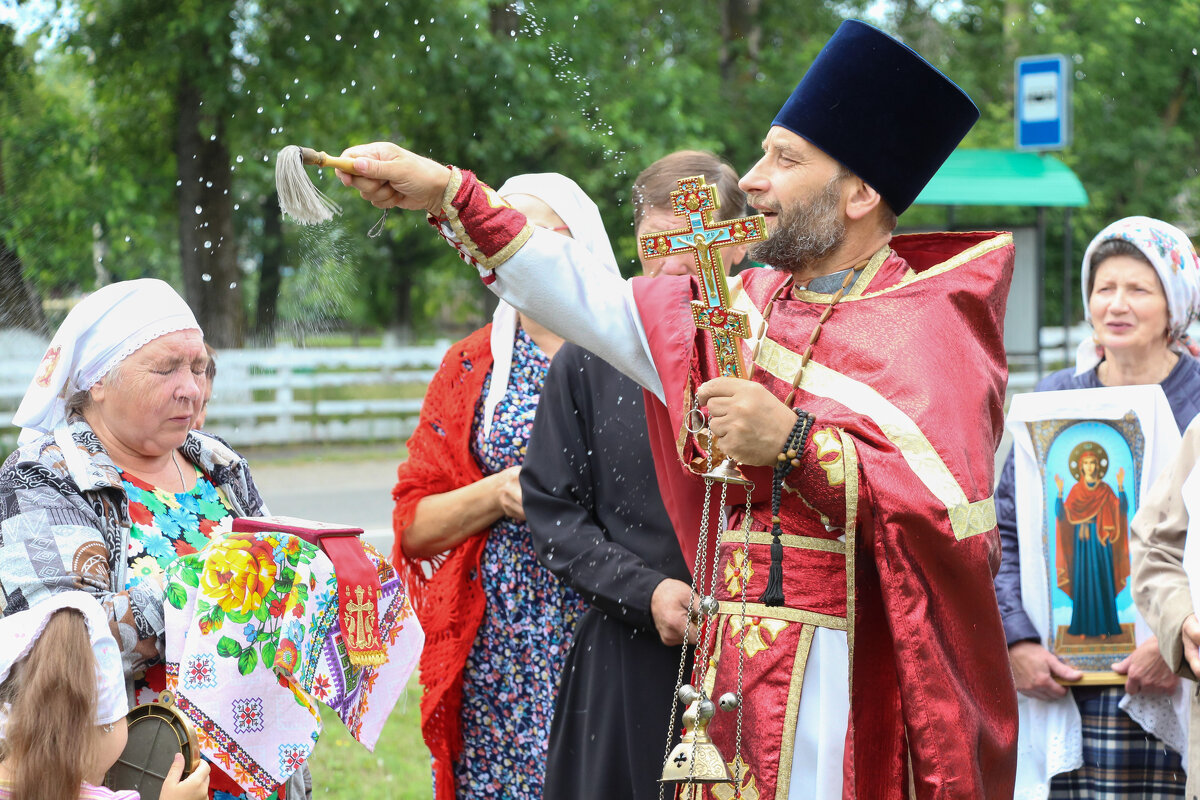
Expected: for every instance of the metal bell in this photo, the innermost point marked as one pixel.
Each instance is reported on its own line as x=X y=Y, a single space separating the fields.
x=687 y=694
x=728 y=701
x=727 y=472
x=709 y=605
x=696 y=759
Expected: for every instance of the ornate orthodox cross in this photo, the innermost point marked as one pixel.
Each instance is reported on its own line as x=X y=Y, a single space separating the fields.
x=696 y=201
x=362 y=616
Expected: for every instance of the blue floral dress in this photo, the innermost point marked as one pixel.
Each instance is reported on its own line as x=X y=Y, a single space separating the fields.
x=512 y=672
x=168 y=524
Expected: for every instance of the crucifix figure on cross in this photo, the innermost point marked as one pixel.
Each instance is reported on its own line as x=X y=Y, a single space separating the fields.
x=696 y=201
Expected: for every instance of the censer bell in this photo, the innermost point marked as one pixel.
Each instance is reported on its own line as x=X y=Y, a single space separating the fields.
x=696 y=759
x=727 y=472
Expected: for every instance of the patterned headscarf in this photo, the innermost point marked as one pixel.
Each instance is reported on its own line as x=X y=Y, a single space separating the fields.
x=582 y=218
x=19 y=632
x=104 y=329
x=1173 y=257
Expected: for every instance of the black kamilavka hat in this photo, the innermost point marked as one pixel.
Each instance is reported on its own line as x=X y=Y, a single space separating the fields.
x=879 y=108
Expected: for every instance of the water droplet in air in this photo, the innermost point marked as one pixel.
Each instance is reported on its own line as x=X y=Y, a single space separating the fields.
x=206 y=278
x=376 y=34
x=199 y=209
x=207 y=245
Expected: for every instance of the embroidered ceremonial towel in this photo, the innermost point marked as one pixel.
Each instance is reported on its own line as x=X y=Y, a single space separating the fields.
x=253 y=638
x=358 y=583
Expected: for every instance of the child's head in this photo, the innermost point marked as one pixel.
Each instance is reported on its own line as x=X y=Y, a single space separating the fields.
x=60 y=728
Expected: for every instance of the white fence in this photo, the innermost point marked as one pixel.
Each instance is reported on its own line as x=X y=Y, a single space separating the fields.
x=290 y=395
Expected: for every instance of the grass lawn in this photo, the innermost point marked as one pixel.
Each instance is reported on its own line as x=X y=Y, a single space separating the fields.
x=397 y=770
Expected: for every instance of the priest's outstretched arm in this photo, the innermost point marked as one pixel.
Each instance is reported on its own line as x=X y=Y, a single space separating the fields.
x=553 y=280
x=549 y=277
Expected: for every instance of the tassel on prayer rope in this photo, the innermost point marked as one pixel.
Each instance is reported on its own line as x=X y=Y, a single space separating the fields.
x=787 y=460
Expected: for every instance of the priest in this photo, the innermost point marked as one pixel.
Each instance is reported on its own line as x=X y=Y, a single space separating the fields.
x=869 y=661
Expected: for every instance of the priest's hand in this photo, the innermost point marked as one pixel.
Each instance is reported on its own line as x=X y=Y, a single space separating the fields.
x=669 y=607
x=750 y=423
x=1191 y=643
x=390 y=176
x=1145 y=670
x=1035 y=668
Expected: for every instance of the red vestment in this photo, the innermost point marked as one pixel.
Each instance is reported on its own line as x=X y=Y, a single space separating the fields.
x=907 y=384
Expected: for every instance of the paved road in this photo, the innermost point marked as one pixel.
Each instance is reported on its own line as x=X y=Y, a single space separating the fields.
x=345 y=490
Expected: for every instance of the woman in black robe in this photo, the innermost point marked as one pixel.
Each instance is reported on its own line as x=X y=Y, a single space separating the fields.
x=597 y=521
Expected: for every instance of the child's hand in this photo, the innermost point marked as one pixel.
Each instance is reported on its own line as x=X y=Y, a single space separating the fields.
x=195 y=787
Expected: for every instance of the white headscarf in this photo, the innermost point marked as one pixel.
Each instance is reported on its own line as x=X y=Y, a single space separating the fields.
x=104 y=329
x=582 y=217
x=19 y=632
x=1173 y=257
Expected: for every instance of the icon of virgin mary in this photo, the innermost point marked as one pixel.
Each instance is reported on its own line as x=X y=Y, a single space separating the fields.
x=1093 y=542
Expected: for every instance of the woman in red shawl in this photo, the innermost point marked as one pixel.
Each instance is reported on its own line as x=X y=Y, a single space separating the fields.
x=1093 y=544
x=497 y=623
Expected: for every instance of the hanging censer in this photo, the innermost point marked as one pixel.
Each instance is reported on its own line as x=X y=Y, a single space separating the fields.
x=696 y=760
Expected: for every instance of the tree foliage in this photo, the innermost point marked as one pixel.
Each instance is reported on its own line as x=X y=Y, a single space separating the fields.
x=143 y=112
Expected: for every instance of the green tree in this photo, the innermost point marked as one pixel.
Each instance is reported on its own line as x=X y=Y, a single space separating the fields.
x=45 y=237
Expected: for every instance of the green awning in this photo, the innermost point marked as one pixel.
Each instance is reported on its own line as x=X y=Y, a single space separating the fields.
x=1003 y=178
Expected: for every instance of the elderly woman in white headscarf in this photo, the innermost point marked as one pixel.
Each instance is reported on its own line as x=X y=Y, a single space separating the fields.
x=1141 y=289
x=497 y=623
x=109 y=483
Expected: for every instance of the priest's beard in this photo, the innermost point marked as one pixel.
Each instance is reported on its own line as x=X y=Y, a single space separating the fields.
x=806 y=232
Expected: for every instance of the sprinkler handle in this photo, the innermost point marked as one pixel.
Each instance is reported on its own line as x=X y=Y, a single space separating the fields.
x=319 y=158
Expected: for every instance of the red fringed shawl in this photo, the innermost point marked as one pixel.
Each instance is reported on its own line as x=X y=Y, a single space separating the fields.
x=449 y=604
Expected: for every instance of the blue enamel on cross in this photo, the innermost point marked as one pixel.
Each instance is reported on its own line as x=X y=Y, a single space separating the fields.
x=696 y=201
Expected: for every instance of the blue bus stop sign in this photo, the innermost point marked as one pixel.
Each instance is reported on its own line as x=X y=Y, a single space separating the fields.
x=1043 y=102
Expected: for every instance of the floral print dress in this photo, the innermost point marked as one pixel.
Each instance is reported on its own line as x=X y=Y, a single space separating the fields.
x=167 y=525
x=170 y=524
x=512 y=672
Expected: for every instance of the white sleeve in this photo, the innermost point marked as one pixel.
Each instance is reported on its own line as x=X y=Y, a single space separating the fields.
x=557 y=282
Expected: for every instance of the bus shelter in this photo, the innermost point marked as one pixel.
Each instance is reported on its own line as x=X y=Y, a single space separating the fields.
x=1011 y=178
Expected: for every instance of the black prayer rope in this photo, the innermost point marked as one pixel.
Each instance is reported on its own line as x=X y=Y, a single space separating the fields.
x=786 y=461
